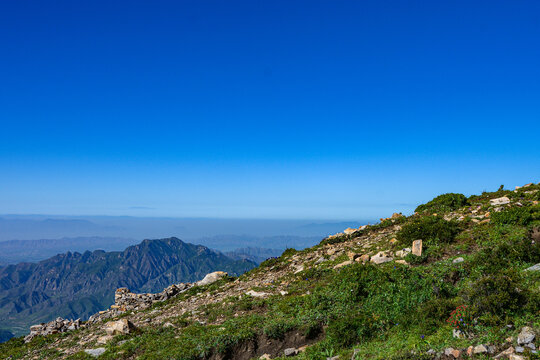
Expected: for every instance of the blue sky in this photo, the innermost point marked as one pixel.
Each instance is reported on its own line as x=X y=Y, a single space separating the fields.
x=264 y=109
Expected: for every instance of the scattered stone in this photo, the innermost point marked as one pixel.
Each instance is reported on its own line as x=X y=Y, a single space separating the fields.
x=458 y=260
x=333 y=358
x=345 y=263
x=417 y=247
x=499 y=201
x=290 y=352
x=380 y=258
x=364 y=258
x=331 y=251
x=352 y=255
x=402 y=262
x=533 y=268
x=212 y=278
x=520 y=349
x=480 y=349
x=452 y=352
x=458 y=334
x=168 y=325
x=349 y=231
x=515 y=357
x=102 y=340
x=299 y=269
x=470 y=350
x=531 y=346
x=404 y=252
x=283 y=292
x=320 y=260
x=119 y=327
x=95 y=352
x=526 y=336
x=257 y=294
x=505 y=353
x=265 y=357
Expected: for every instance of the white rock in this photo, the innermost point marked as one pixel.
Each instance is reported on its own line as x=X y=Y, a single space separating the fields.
x=458 y=260
x=380 y=258
x=257 y=294
x=212 y=278
x=526 y=336
x=533 y=268
x=480 y=349
x=417 y=247
x=122 y=326
x=95 y=352
x=499 y=201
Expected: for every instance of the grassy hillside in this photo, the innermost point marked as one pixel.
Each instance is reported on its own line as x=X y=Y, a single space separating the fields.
x=330 y=300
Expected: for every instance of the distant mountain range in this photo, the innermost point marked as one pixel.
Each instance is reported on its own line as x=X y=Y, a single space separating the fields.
x=74 y=285
x=16 y=251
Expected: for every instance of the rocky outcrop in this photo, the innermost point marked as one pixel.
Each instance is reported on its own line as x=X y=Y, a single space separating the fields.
x=53 y=327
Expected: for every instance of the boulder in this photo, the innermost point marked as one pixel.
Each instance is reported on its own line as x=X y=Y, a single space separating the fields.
x=499 y=201
x=533 y=268
x=95 y=352
x=505 y=353
x=349 y=231
x=290 y=352
x=257 y=294
x=345 y=263
x=380 y=258
x=119 y=327
x=417 y=247
x=480 y=349
x=526 y=336
x=212 y=278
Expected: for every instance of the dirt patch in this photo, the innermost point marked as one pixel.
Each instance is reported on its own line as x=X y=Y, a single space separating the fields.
x=262 y=344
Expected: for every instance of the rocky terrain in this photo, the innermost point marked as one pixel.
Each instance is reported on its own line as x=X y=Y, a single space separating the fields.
x=458 y=279
x=75 y=285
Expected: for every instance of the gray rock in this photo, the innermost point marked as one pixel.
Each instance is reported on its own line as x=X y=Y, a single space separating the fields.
x=480 y=349
x=380 y=258
x=290 y=352
x=526 y=336
x=95 y=352
x=458 y=260
x=520 y=349
x=533 y=268
x=531 y=346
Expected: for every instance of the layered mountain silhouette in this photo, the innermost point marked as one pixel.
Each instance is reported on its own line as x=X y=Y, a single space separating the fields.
x=74 y=285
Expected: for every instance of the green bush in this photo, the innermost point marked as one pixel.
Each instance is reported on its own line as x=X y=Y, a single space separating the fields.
x=444 y=203
x=496 y=294
x=277 y=328
x=515 y=216
x=431 y=229
x=350 y=330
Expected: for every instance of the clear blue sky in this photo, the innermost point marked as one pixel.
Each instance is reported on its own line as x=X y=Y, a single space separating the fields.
x=279 y=109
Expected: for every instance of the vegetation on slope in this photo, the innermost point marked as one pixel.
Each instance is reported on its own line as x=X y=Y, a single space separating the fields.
x=474 y=259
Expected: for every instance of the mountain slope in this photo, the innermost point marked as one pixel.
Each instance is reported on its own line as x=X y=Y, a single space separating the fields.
x=76 y=285
x=458 y=279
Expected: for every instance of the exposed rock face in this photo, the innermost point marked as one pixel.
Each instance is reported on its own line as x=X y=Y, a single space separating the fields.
x=126 y=300
x=52 y=327
x=212 y=278
x=119 y=327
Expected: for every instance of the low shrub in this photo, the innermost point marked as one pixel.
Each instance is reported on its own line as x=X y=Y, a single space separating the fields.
x=350 y=330
x=496 y=294
x=513 y=216
x=431 y=229
x=444 y=203
x=277 y=328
